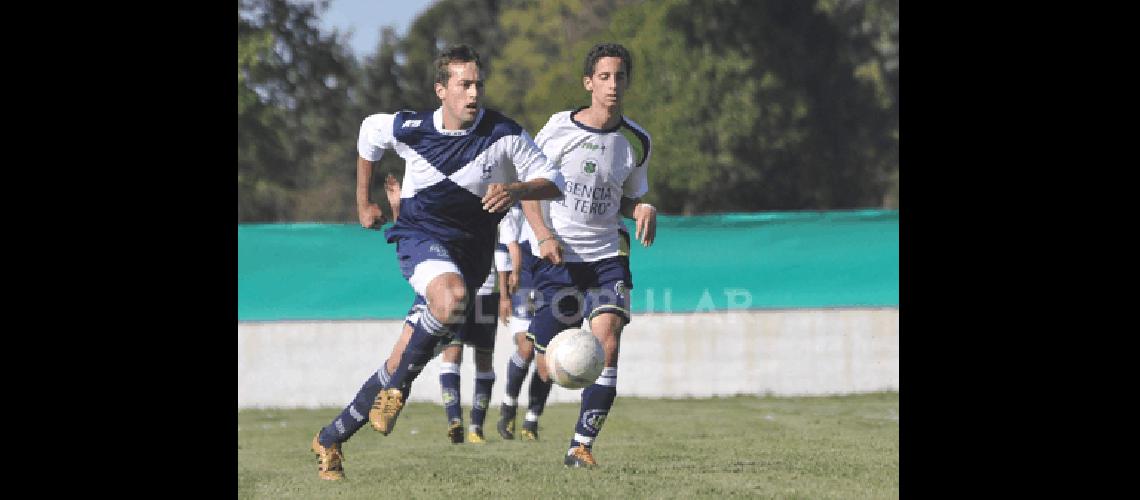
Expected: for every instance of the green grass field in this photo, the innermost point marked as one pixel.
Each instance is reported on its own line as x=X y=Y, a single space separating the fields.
x=816 y=447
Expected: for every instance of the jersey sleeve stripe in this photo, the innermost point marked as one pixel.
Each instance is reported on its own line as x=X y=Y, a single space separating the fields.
x=642 y=137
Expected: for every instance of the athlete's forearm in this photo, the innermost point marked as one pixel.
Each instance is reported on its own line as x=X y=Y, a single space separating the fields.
x=504 y=293
x=534 y=189
x=533 y=213
x=363 y=182
x=516 y=256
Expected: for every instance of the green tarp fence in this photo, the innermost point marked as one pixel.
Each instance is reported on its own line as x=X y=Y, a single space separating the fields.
x=698 y=264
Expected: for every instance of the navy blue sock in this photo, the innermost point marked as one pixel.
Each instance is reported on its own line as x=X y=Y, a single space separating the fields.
x=539 y=391
x=355 y=415
x=597 y=399
x=484 y=381
x=516 y=373
x=449 y=384
x=420 y=349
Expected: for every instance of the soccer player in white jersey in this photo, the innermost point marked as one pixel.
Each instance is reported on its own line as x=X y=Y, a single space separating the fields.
x=466 y=166
x=584 y=266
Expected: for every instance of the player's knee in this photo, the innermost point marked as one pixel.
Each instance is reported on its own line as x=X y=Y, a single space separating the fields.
x=607 y=325
x=540 y=367
x=449 y=303
x=458 y=296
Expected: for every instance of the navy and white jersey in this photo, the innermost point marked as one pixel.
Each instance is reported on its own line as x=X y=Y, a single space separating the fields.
x=447 y=172
x=599 y=168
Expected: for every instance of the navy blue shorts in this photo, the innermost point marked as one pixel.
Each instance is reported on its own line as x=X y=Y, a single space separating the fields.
x=572 y=291
x=423 y=259
x=478 y=329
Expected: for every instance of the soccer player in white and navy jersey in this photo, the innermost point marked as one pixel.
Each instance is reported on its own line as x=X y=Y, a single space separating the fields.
x=492 y=300
x=584 y=266
x=465 y=166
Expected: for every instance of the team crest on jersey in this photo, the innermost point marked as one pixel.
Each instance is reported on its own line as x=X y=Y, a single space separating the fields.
x=593 y=420
x=590 y=166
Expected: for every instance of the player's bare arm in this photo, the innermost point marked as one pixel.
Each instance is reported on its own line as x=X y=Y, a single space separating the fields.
x=368 y=212
x=504 y=298
x=501 y=197
x=548 y=245
x=392 y=190
x=644 y=216
x=515 y=251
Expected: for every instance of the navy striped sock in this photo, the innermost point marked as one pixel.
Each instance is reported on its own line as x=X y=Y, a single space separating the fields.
x=449 y=384
x=420 y=349
x=516 y=373
x=597 y=399
x=355 y=415
x=484 y=381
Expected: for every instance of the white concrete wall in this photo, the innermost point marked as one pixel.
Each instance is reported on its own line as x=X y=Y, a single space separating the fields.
x=784 y=352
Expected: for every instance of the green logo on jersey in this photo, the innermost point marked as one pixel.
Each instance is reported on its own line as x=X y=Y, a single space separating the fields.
x=589 y=166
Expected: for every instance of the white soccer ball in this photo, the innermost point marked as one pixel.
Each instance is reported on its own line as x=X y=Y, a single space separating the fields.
x=574 y=358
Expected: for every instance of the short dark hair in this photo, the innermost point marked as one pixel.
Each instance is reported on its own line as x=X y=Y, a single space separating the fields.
x=455 y=53
x=607 y=50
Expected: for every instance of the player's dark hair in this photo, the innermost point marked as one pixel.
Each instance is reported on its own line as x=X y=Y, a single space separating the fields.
x=455 y=53
x=608 y=50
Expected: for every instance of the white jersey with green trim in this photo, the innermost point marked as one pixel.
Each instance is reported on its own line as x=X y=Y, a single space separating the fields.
x=599 y=167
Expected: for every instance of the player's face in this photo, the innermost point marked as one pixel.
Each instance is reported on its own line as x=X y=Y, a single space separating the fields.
x=462 y=96
x=608 y=83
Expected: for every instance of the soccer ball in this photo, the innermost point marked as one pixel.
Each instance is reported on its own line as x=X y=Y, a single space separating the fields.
x=574 y=358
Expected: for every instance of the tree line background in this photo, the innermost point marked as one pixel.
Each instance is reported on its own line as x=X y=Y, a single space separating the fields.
x=752 y=105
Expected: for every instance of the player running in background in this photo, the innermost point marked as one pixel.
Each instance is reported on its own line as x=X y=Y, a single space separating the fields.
x=515 y=233
x=584 y=265
x=466 y=166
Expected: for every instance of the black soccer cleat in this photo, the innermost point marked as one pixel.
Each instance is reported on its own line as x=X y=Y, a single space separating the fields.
x=530 y=431
x=506 y=425
x=455 y=431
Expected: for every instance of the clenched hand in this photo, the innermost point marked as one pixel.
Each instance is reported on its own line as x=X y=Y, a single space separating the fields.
x=370 y=216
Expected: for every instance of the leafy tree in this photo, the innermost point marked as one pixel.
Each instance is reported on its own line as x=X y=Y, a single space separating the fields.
x=540 y=70
x=293 y=110
x=758 y=106
x=775 y=105
x=445 y=23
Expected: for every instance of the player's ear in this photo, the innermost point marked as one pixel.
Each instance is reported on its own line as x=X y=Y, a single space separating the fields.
x=587 y=83
x=440 y=90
